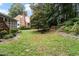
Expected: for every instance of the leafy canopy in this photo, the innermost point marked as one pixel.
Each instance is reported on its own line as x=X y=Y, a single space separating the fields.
x=16 y=9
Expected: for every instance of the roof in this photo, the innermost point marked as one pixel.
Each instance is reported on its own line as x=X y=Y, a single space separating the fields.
x=6 y=16
x=18 y=17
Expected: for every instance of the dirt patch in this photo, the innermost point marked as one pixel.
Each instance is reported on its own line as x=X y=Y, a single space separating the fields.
x=42 y=49
x=37 y=37
x=68 y=35
x=1 y=40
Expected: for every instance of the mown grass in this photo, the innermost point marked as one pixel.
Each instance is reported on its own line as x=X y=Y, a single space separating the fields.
x=37 y=44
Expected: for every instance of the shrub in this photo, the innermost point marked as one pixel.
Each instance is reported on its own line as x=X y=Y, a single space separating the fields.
x=68 y=23
x=71 y=21
x=8 y=36
x=67 y=29
x=2 y=33
x=23 y=28
x=72 y=25
x=75 y=28
x=14 y=31
x=5 y=35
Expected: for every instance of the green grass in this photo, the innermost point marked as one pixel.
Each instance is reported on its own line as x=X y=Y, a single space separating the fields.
x=36 y=44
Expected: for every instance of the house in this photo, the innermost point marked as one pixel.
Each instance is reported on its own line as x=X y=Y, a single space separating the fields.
x=23 y=21
x=7 y=23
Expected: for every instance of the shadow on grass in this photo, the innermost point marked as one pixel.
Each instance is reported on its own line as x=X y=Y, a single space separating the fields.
x=40 y=31
x=3 y=55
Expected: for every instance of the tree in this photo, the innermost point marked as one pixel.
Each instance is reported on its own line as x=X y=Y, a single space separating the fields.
x=39 y=19
x=16 y=9
x=61 y=12
x=46 y=15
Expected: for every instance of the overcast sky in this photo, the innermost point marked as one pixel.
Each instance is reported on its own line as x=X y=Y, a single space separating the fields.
x=5 y=6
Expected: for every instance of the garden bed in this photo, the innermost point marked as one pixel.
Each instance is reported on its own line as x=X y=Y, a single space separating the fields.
x=8 y=35
x=3 y=40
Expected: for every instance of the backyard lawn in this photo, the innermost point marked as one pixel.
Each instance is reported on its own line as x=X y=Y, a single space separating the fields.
x=37 y=44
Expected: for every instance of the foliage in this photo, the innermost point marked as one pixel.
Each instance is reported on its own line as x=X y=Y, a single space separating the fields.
x=67 y=23
x=67 y=29
x=75 y=28
x=47 y=15
x=39 y=19
x=72 y=25
x=16 y=9
x=3 y=33
x=6 y=35
x=14 y=31
x=24 y=28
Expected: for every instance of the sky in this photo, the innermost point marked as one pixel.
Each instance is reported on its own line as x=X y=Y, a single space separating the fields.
x=40 y=1
x=4 y=8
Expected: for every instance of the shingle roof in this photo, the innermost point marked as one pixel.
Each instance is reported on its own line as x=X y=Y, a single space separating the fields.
x=6 y=16
x=18 y=17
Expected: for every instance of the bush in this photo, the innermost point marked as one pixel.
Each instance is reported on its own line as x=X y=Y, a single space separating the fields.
x=14 y=31
x=75 y=28
x=72 y=25
x=71 y=21
x=67 y=29
x=2 y=33
x=40 y=24
x=68 y=23
x=5 y=35
x=23 y=28
x=8 y=36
